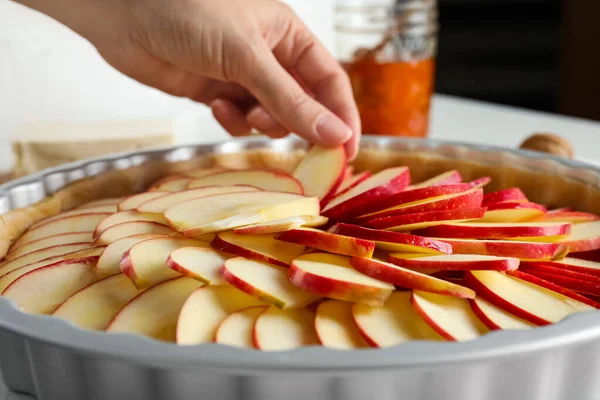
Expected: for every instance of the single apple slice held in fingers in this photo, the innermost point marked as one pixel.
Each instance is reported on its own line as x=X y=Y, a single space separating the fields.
x=263 y=179
x=508 y=248
x=75 y=223
x=583 y=237
x=451 y=317
x=133 y=202
x=280 y=330
x=461 y=262
x=446 y=178
x=393 y=241
x=416 y=221
x=50 y=241
x=205 y=310
x=265 y=281
x=384 y=183
x=107 y=209
x=352 y=181
x=40 y=255
x=534 y=303
x=198 y=263
x=127 y=216
x=155 y=311
x=496 y=318
x=171 y=184
x=513 y=194
x=497 y=230
x=513 y=211
x=42 y=290
x=237 y=328
x=330 y=242
x=282 y=225
x=132 y=228
x=161 y=204
x=262 y=248
x=109 y=261
x=336 y=327
x=332 y=276
x=321 y=171
x=393 y=323
x=94 y=306
x=407 y=278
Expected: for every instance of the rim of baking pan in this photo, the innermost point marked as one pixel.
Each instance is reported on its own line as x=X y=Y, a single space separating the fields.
x=574 y=330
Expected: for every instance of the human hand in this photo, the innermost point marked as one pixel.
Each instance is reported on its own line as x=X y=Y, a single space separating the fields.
x=253 y=61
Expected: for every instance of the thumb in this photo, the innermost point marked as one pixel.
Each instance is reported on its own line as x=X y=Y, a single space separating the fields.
x=285 y=99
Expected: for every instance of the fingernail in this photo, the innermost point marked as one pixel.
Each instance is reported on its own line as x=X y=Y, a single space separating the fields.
x=332 y=130
x=261 y=120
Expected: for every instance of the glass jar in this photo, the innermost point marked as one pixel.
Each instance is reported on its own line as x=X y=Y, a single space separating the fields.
x=388 y=49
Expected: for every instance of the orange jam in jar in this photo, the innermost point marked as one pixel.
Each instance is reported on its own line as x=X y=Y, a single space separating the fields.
x=388 y=52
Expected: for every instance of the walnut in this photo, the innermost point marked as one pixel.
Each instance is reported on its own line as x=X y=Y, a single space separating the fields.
x=548 y=143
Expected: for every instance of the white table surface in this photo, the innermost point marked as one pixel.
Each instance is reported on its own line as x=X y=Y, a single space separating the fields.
x=453 y=119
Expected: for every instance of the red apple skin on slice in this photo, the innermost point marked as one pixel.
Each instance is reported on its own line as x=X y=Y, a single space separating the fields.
x=507 y=248
x=413 y=222
x=352 y=181
x=40 y=255
x=446 y=178
x=263 y=179
x=393 y=323
x=263 y=248
x=330 y=242
x=94 y=306
x=237 y=329
x=75 y=223
x=529 y=301
x=572 y=264
x=109 y=261
x=331 y=275
x=42 y=290
x=496 y=318
x=132 y=228
x=384 y=183
x=583 y=237
x=407 y=278
x=575 y=281
x=451 y=317
x=281 y=330
x=321 y=172
x=198 y=263
x=127 y=216
x=50 y=241
x=500 y=196
x=461 y=262
x=477 y=230
x=513 y=211
x=336 y=327
x=393 y=241
x=155 y=311
x=133 y=202
x=590 y=255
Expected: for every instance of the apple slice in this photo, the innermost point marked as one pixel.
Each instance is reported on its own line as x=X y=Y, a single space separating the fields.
x=50 y=241
x=198 y=263
x=393 y=241
x=508 y=248
x=231 y=210
x=103 y=202
x=496 y=318
x=465 y=200
x=451 y=317
x=461 y=262
x=384 y=183
x=42 y=290
x=127 y=216
x=263 y=179
x=133 y=202
x=583 y=237
x=132 y=228
x=262 y=248
x=352 y=181
x=446 y=178
x=171 y=184
x=408 y=278
x=332 y=276
x=513 y=211
x=94 y=306
x=526 y=300
x=575 y=281
x=393 y=323
x=561 y=209
x=201 y=172
x=108 y=209
x=40 y=255
x=237 y=329
x=84 y=256
x=321 y=172
x=513 y=194
x=497 y=230
x=573 y=264
x=109 y=261
x=416 y=221
x=282 y=225
x=145 y=262
x=205 y=310
x=265 y=281
x=280 y=330
x=336 y=328
x=330 y=242
x=591 y=255
x=74 y=223
x=574 y=217
x=161 y=204
x=155 y=311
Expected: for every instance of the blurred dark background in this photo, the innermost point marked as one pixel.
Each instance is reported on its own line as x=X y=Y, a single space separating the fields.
x=538 y=54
